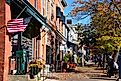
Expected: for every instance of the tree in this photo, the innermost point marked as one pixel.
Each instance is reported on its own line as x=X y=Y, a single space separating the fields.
x=86 y=35
x=106 y=20
x=84 y=8
x=108 y=30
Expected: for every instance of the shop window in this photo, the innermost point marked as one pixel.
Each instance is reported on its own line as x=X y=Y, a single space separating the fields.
x=49 y=55
x=43 y=49
x=37 y=49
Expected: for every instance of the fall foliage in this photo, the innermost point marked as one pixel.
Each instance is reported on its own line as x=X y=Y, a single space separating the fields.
x=105 y=20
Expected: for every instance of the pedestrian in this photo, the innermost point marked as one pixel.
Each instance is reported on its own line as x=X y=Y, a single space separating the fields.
x=95 y=59
x=110 y=68
x=75 y=58
x=99 y=60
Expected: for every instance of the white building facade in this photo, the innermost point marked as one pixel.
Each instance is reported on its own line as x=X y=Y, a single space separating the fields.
x=72 y=38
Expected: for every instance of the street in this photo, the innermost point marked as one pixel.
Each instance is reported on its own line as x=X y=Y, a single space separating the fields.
x=83 y=74
x=60 y=40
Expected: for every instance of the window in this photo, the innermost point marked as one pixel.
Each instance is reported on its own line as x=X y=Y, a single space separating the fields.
x=42 y=3
x=48 y=8
x=43 y=11
x=35 y=3
x=52 y=12
x=42 y=49
x=36 y=49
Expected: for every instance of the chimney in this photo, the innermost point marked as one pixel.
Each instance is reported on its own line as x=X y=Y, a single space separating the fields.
x=69 y=21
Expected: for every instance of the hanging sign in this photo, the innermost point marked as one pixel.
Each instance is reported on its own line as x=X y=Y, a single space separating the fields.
x=61 y=47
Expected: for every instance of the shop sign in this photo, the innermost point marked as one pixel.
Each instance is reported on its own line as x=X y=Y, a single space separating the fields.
x=61 y=47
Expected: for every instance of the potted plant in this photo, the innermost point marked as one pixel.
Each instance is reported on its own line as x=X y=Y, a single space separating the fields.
x=35 y=67
x=65 y=63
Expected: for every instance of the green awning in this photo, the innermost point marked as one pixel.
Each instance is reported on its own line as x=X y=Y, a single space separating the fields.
x=8 y=1
x=32 y=11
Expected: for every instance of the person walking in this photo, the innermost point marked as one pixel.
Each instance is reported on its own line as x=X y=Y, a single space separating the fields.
x=99 y=61
x=110 y=67
x=75 y=58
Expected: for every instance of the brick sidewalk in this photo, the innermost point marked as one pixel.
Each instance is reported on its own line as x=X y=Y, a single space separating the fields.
x=81 y=80
x=85 y=74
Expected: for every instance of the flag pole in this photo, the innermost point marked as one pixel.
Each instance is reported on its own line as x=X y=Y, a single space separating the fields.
x=20 y=36
x=21 y=12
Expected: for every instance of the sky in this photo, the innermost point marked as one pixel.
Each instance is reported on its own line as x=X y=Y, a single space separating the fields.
x=67 y=10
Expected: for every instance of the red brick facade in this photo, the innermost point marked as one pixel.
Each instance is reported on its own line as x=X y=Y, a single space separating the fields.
x=2 y=36
x=5 y=43
x=4 y=40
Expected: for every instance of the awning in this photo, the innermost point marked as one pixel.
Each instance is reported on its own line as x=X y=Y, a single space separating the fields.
x=33 y=12
x=70 y=44
x=60 y=36
x=8 y=2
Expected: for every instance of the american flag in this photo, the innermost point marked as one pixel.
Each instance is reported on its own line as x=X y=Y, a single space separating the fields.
x=16 y=25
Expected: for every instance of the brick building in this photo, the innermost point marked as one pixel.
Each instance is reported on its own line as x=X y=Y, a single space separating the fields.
x=42 y=37
x=53 y=10
x=5 y=43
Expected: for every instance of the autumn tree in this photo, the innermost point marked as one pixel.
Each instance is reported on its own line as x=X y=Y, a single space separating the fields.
x=106 y=19
x=86 y=35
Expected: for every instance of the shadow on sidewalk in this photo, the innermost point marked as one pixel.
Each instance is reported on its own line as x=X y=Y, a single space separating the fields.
x=53 y=78
x=104 y=77
x=101 y=68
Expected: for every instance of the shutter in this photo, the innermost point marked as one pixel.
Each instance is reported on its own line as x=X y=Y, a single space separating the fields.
x=58 y=12
x=62 y=18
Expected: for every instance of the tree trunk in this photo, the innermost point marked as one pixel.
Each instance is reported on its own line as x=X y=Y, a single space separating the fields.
x=104 y=60
x=82 y=60
x=83 y=54
x=116 y=57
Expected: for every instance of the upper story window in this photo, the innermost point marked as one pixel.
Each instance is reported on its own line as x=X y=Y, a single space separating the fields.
x=48 y=9
x=63 y=2
x=58 y=12
x=35 y=3
x=42 y=3
x=48 y=6
x=52 y=12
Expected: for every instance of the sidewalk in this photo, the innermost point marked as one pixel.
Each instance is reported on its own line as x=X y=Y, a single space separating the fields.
x=83 y=74
x=81 y=80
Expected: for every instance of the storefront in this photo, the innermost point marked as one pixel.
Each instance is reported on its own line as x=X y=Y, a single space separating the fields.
x=72 y=46
x=59 y=52
x=25 y=45
x=50 y=49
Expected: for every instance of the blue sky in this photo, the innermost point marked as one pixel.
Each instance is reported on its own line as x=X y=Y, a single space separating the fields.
x=67 y=10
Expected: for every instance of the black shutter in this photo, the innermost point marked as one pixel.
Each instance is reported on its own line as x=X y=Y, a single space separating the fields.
x=58 y=12
x=62 y=18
